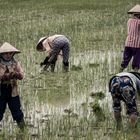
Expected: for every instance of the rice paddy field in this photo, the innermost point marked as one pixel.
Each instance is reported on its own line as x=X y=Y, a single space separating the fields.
x=75 y=105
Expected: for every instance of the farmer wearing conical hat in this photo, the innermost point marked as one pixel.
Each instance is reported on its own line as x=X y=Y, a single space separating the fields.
x=10 y=72
x=132 y=43
x=54 y=45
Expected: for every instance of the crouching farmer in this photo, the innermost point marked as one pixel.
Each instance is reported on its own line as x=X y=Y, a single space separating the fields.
x=124 y=87
x=54 y=45
x=10 y=72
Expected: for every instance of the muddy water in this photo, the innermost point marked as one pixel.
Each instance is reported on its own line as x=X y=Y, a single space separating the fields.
x=47 y=95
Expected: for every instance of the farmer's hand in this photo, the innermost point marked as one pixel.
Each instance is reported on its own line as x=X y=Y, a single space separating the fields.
x=6 y=76
x=45 y=62
x=41 y=64
x=46 y=67
x=16 y=75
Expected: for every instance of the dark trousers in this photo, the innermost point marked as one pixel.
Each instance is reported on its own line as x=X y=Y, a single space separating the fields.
x=130 y=52
x=13 y=103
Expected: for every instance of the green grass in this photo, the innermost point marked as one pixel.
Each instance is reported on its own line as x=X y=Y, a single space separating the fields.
x=58 y=106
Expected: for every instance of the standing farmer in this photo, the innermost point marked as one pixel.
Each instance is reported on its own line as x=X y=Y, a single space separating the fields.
x=10 y=72
x=54 y=45
x=125 y=87
x=132 y=43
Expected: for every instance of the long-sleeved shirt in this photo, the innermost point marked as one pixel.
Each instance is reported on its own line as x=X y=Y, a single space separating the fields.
x=48 y=42
x=133 y=33
x=6 y=71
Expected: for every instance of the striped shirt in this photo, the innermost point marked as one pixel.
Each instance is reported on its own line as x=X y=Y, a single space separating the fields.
x=133 y=33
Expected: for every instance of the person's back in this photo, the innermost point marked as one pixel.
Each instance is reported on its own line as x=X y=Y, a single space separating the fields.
x=133 y=33
x=135 y=77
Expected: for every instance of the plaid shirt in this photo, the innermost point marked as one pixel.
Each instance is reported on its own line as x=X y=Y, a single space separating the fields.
x=47 y=43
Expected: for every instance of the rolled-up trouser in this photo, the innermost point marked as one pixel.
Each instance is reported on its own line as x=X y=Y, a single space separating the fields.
x=130 y=52
x=60 y=43
x=122 y=90
x=13 y=103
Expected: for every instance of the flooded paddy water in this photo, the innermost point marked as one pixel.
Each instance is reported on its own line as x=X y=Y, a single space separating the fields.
x=61 y=105
x=74 y=105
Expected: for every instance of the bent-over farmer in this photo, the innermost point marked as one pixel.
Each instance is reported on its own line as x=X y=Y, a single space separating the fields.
x=125 y=86
x=54 y=45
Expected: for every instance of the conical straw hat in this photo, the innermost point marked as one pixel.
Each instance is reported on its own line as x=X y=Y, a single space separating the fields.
x=6 y=47
x=39 y=46
x=135 y=9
